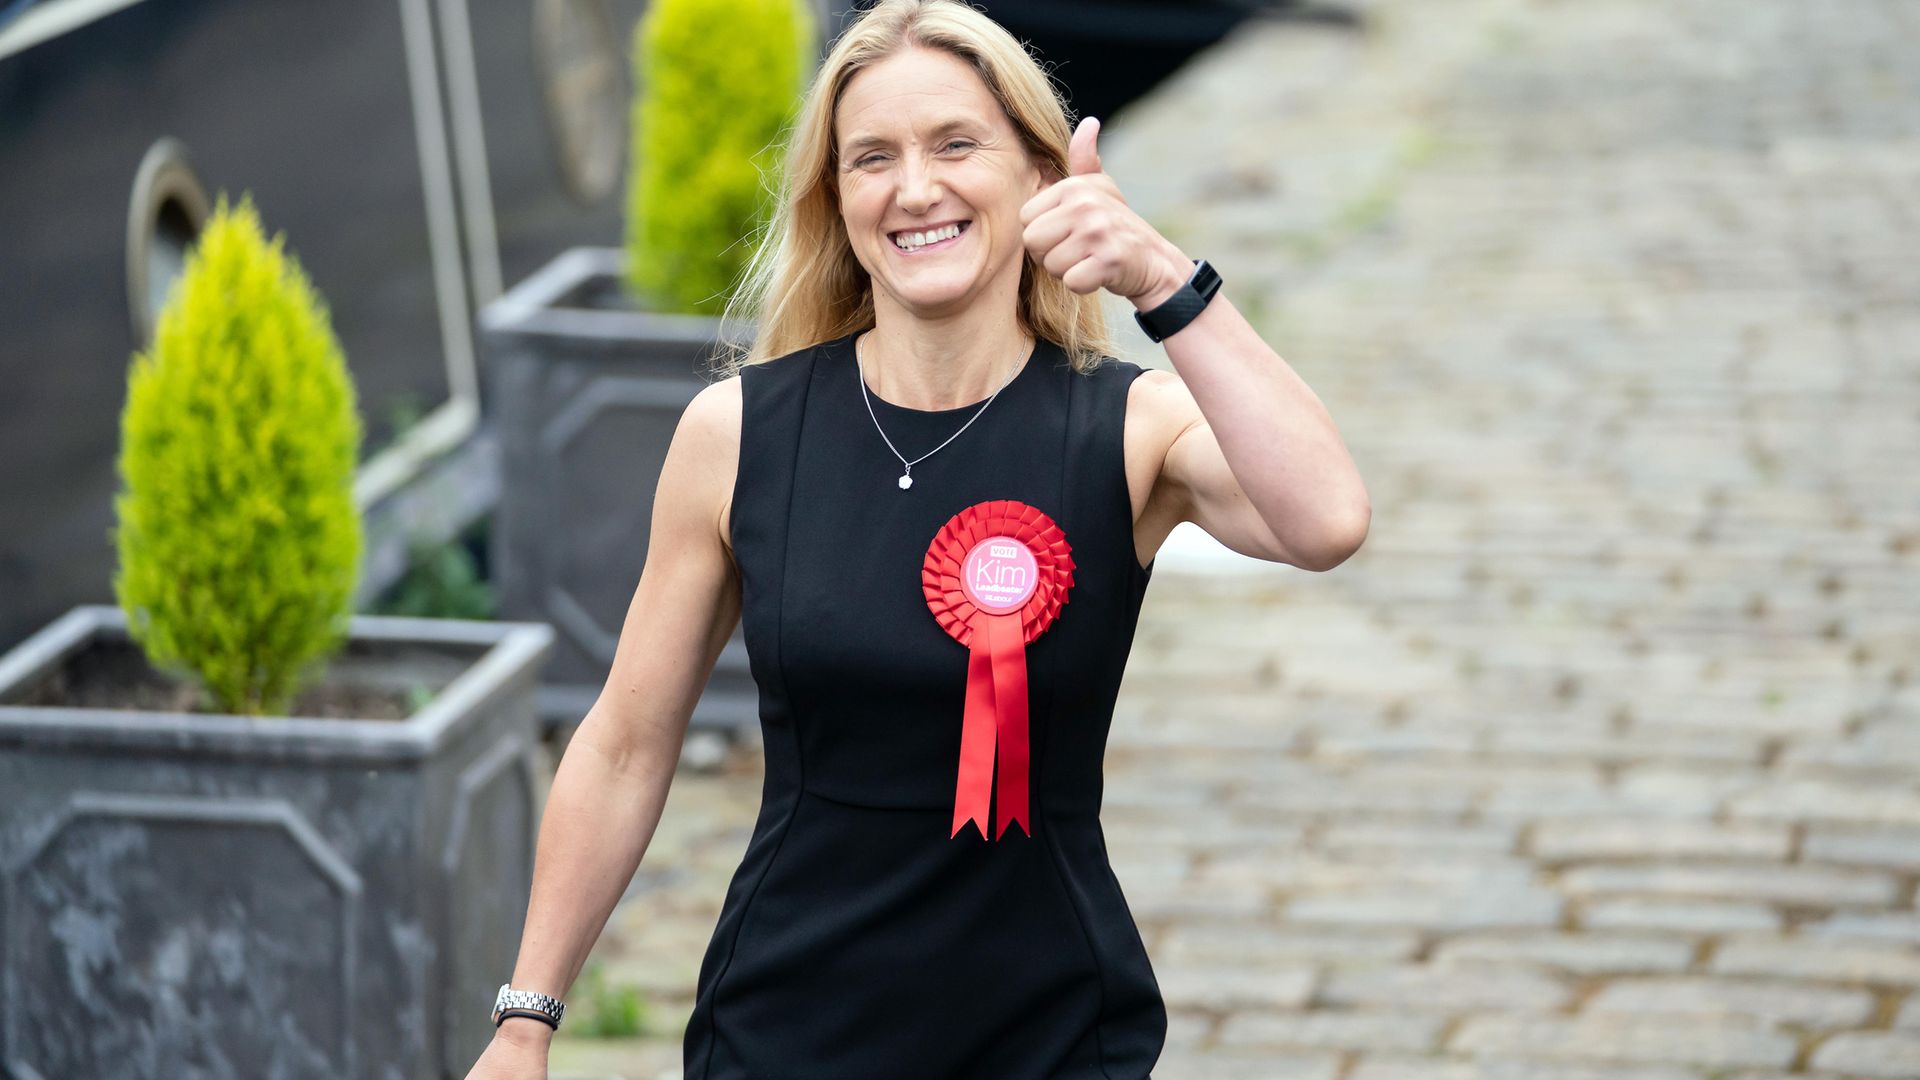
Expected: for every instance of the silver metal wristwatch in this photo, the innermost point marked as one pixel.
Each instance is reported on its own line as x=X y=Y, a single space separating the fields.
x=544 y=1004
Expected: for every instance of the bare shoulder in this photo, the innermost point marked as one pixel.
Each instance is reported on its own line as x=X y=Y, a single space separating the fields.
x=715 y=411
x=1159 y=408
x=710 y=429
x=1159 y=401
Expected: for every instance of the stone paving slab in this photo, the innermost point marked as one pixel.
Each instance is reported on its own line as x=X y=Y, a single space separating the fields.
x=1601 y=760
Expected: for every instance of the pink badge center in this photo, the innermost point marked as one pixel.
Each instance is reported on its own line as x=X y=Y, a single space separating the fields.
x=999 y=574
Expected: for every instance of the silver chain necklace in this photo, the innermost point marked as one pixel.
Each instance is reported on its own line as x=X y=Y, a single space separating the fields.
x=906 y=477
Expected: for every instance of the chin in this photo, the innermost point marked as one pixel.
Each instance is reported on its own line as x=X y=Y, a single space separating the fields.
x=934 y=304
x=926 y=294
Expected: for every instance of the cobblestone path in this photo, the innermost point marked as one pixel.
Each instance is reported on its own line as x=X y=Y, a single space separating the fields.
x=1599 y=761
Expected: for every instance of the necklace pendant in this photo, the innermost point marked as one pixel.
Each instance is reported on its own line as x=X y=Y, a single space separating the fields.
x=906 y=481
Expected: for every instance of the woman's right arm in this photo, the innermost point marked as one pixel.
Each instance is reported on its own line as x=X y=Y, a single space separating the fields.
x=611 y=783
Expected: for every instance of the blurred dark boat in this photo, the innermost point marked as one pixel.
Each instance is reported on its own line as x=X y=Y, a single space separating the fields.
x=1107 y=53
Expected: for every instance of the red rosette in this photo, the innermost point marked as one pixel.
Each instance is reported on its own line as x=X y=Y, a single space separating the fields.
x=995 y=577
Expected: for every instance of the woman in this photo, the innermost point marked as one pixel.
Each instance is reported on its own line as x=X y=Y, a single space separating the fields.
x=935 y=499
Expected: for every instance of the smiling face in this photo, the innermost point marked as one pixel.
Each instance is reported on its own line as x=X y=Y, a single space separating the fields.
x=925 y=150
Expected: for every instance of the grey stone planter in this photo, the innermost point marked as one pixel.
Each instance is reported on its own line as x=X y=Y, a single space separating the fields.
x=584 y=393
x=206 y=895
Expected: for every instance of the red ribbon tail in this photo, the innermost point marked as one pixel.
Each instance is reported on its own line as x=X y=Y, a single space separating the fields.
x=975 y=785
x=1009 y=657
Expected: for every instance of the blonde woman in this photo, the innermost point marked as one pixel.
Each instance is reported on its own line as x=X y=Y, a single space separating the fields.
x=934 y=498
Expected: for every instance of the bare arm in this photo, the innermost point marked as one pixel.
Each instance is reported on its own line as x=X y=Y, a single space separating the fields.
x=611 y=783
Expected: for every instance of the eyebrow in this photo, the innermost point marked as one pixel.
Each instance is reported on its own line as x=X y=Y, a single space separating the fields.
x=863 y=141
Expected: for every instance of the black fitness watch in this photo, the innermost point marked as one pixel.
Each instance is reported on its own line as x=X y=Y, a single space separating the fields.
x=1183 y=306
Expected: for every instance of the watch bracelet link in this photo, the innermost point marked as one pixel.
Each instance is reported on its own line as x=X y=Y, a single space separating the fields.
x=511 y=1002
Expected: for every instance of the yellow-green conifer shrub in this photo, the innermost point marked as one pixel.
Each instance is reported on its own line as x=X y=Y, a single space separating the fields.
x=717 y=83
x=238 y=537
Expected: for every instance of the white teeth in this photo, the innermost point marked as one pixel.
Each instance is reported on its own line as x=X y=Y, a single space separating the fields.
x=915 y=241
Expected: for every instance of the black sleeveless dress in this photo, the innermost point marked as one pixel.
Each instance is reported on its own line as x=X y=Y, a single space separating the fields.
x=860 y=938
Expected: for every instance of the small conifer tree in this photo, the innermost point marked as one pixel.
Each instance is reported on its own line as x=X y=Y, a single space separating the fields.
x=717 y=83
x=238 y=537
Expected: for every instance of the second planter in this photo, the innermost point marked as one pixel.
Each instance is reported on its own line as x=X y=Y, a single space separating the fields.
x=584 y=391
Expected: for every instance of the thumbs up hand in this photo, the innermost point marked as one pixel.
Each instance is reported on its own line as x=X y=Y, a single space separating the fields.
x=1081 y=230
x=1083 y=152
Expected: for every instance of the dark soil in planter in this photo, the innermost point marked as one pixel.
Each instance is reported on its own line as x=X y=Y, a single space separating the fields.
x=598 y=293
x=372 y=679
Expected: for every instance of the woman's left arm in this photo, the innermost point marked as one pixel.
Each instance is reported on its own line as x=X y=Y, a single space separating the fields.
x=1257 y=461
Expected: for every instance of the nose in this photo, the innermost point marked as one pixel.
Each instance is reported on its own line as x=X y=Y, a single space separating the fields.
x=918 y=186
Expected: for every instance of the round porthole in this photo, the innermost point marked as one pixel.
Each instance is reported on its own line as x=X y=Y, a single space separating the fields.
x=578 y=58
x=164 y=218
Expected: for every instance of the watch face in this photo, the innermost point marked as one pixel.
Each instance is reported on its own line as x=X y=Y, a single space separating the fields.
x=1183 y=306
x=1205 y=278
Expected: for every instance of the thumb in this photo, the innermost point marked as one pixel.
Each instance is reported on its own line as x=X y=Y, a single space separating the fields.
x=1083 y=154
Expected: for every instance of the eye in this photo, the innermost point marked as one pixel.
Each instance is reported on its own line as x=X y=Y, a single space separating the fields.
x=951 y=143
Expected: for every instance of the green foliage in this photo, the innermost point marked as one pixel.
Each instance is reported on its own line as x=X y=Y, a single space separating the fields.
x=419 y=695
x=718 y=81
x=442 y=581
x=605 y=1012
x=403 y=410
x=238 y=538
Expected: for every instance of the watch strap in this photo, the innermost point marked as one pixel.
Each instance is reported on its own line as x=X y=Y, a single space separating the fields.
x=1185 y=305
x=531 y=1014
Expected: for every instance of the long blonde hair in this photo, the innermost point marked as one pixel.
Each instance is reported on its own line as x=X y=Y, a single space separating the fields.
x=803 y=284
